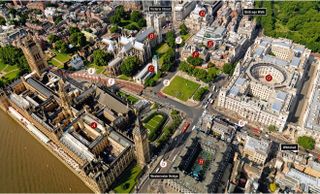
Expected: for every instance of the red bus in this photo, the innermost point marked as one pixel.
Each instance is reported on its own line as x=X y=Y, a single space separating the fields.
x=185 y=127
x=161 y=95
x=256 y=131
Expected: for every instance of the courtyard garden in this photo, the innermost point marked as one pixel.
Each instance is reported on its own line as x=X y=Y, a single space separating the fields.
x=128 y=179
x=154 y=123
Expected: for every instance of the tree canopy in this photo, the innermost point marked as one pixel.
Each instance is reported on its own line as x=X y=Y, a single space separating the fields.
x=306 y=142
x=78 y=39
x=168 y=60
x=130 y=65
x=183 y=29
x=170 y=39
x=52 y=38
x=228 y=68
x=2 y=21
x=61 y=46
x=298 y=21
x=201 y=74
x=198 y=95
x=101 y=58
x=135 y=16
x=195 y=61
x=13 y=56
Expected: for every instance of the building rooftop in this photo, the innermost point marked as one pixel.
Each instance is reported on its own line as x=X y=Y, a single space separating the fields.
x=256 y=145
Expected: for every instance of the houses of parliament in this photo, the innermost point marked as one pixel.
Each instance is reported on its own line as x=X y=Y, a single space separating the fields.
x=87 y=122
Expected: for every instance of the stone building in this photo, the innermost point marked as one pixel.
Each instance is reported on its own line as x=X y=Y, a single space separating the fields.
x=34 y=55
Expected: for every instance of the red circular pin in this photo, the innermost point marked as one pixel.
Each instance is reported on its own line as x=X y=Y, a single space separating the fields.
x=93 y=125
x=200 y=161
x=210 y=44
x=268 y=77
x=151 y=36
x=202 y=13
x=195 y=54
x=151 y=68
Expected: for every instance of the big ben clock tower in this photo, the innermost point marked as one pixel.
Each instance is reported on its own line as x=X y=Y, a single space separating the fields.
x=140 y=138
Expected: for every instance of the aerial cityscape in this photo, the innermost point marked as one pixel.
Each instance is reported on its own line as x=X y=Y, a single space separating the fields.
x=159 y=96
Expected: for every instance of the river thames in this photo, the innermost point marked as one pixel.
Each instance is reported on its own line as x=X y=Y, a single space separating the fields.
x=26 y=166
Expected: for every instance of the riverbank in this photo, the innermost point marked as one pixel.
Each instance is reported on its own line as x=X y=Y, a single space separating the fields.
x=51 y=150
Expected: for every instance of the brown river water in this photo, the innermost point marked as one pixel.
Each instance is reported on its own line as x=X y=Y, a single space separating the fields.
x=26 y=166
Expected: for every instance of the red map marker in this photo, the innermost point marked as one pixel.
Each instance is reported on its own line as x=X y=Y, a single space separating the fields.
x=210 y=44
x=93 y=125
x=202 y=13
x=151 y=68
x=151 y=36
x=200 y=161
x=268 y=77
x=195 y=54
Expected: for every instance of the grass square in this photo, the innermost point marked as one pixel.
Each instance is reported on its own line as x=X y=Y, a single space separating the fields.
x=181 y=88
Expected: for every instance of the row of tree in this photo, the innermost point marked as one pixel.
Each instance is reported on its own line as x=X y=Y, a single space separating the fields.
x=198 y=95
x=201 y=74
x=169 y=129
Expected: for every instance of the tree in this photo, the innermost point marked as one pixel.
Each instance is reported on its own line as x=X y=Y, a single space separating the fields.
x=168 y=60
x=272 y=128
x=13 y=56
x=170 y=40
x=115 y=29
x=61 y=46
x=101 y=58
x=2 y=21
x=213 y=72
x=135 y=16
x=119 y=11
x=141 y=22
x=115 y=19
x=198 y=95
x=306 y=142
x=52 y=38
x=183 y=29
x=130 y=65
x=73 y=30
x=195 y=61
x=131 y=27
x=201 y=74
x=228 y=68
x=78 y=39
x=58 y=19
x=150 y=82
x=186 y=67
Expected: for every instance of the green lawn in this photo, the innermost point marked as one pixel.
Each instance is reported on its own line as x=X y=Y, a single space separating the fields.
x=9 y=72
x=181 y=88
x=163 y=49
x=2 y=65
x=55 y=63
x=124 y=77
x=185 y=37
x=62 y=57
x=99 y=69
x=12 y=75
x=154 y=122
x=128 y=97
x=128 y=179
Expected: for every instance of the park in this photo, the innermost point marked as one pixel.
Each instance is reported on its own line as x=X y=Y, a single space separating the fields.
x=181 y=88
